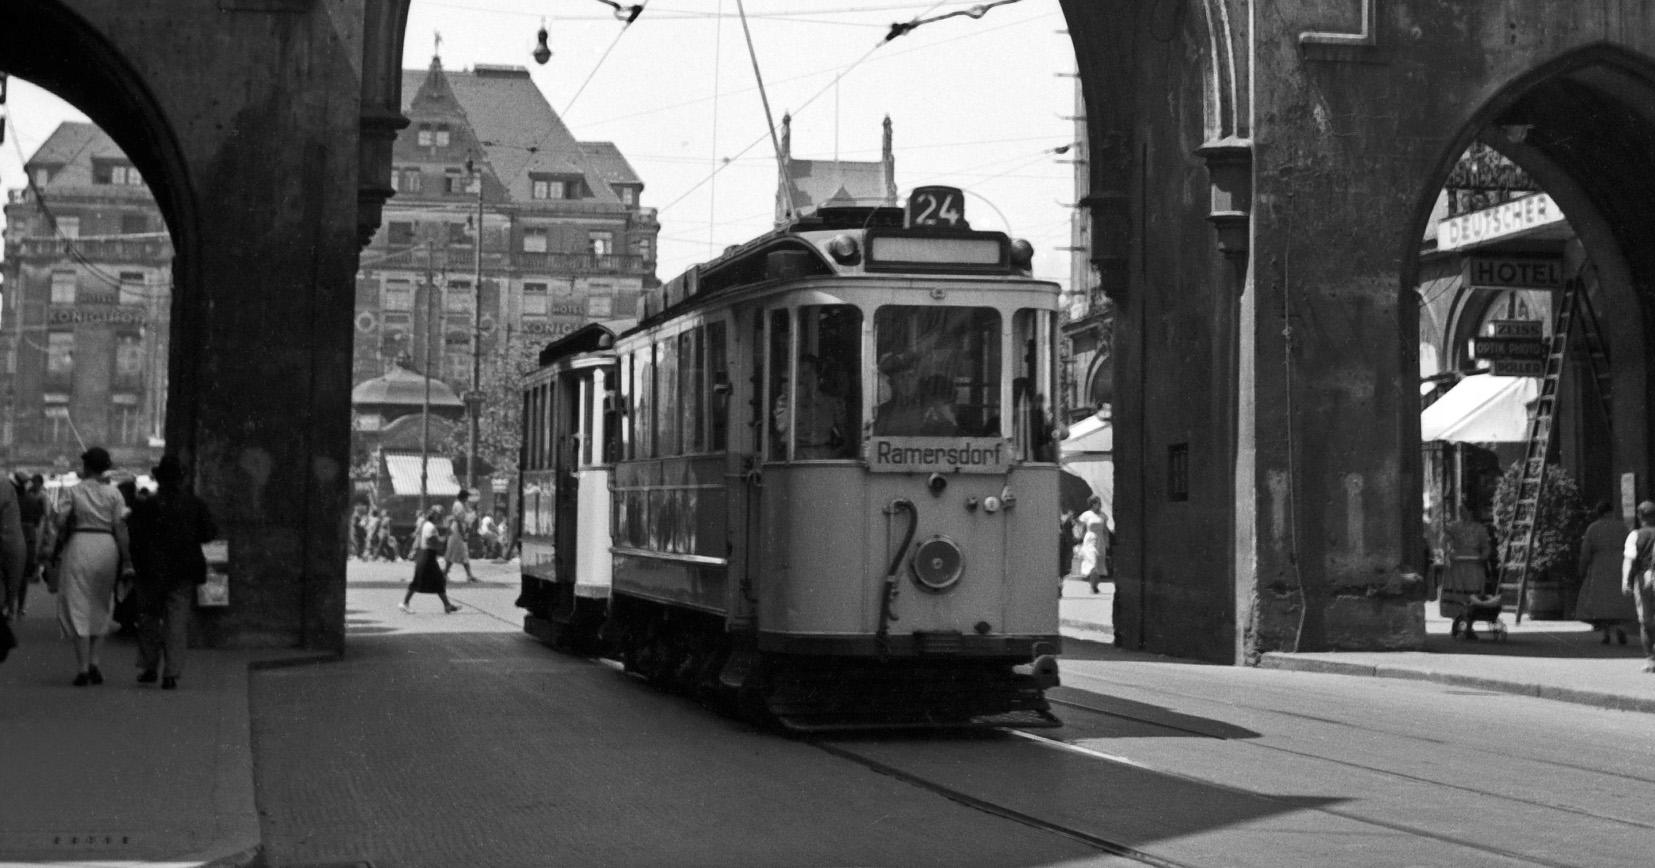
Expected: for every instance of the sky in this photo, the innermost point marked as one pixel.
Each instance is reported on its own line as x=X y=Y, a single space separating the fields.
x=977 y=103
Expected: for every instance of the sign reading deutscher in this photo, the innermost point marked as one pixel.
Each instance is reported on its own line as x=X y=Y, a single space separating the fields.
x=938 y=455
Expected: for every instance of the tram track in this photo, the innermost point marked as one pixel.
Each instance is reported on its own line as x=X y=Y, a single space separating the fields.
x=953 y=794
x=1413 y=830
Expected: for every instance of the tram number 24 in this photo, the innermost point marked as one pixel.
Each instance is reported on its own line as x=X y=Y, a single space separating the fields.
x=937 y=206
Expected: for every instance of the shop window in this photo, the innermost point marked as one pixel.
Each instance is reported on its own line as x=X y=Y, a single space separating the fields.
x=601 y=243
x=64 y=285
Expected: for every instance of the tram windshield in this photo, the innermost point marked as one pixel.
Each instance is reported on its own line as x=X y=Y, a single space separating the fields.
x=816 y=407
x=938 y=371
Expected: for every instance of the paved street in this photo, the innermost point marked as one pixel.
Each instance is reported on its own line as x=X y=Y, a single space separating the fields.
x=453 y=739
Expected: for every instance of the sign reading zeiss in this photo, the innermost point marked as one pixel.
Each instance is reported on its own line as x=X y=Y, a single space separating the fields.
x=938 y=455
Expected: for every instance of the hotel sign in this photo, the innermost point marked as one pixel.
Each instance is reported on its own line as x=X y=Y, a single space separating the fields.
x=1514 y=272
x=1501 y=221
x=105 y=315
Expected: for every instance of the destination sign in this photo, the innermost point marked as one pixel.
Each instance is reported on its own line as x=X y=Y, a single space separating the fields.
x=938 y=455
x=1508 y=348
x=937 y=206
x=1514 y=272
x=1518 y=368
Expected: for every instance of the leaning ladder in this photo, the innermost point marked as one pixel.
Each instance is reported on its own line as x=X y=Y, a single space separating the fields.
x=1514 y=565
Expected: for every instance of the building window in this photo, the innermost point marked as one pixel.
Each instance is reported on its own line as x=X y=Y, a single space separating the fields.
x=411 y=181
x=454 y=180
x=127 y=420
x=129 y=356
x=134 y=224
x=1178 y=471
x=442 y=135
x=64 y=284
x=132 y=288
x=424 y=135
x=600 y=307
x=117 y=174
x=68 y=227
x=601 y=243
x=399 y=232
x=457 y=233
x=58 y=427
x=645 y=248
x=534 y=299
x=60 y=354
x=42 y=176
x=534 y=240
x=628 y=196
x=546 y=188
x=459 y=297
x=399 y=295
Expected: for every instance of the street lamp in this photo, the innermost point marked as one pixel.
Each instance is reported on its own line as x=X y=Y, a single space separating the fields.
x=474 y=401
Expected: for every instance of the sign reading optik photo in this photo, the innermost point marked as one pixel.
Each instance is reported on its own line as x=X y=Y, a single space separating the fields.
x=938 y=455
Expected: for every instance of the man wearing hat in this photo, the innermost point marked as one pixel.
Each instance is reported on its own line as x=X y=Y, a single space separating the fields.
x=167 y=532
x=1637 y=560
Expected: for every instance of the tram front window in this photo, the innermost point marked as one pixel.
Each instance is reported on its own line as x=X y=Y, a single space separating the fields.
x=815 y=411
x=939 y=372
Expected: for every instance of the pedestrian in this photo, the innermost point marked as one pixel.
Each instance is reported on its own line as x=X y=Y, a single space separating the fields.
x=1466 y=550
x=428 y=579
x=502 y=528
x=1065 y=547
x=31 y=504
x=1092 y=529
x=359 y=531
x=459 y=537
x=1600 y=603
x=91 y=553
x=384 y=544
x=489 y=536
x=12 y=558
x=167 y=530
x=370 y=535
x=1637 y=581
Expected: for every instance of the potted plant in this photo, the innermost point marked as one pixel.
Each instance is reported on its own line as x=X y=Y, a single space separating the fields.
x=1559 y=522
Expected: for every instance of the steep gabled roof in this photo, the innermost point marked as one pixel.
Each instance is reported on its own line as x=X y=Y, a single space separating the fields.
x=605 y=159
x=73 y=147
x=519 y=131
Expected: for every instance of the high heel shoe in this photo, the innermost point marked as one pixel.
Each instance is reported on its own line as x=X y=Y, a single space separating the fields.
x=82 y=679
x=450 y=609
x=94 y=675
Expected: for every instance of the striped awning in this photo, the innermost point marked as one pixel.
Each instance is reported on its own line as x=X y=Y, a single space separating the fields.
x=405 y=473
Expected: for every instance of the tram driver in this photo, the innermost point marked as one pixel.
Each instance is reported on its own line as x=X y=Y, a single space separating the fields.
x=820 y=417
x=921 y=406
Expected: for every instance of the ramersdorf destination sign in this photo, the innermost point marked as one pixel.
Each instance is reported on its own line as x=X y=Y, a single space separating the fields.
x=938 y=455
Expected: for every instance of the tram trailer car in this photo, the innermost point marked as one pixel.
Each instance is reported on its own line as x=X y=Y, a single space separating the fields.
x=818 y=478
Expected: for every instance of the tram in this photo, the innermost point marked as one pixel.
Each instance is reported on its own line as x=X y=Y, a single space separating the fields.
x=818 y=479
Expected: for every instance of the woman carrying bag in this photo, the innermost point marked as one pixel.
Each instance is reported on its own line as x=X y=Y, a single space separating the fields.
x=428 y=577
x=92 y=553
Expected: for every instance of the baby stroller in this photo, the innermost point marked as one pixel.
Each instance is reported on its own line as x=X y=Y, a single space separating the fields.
x=1467 y=608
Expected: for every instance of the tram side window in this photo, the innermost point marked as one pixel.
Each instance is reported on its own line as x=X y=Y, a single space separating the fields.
x=939 y=371
x=1033 y=385
x=643 y=404
x=717 y=388
x=823 y=423
x=691 y=371
x=667 y=429
x=529 y=427
x=780 y=344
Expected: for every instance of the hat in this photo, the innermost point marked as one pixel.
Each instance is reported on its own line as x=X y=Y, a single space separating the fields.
x=96 y=459
x=170 y=470
x=891 y=363
x=1646 y=509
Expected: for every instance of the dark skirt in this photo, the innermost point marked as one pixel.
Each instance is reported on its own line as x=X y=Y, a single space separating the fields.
x=428 y=577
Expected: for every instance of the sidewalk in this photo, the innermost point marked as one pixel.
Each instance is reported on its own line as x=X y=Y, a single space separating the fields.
x=1560 y=660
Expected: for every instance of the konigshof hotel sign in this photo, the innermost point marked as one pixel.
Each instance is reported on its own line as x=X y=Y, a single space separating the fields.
x=1503 y=220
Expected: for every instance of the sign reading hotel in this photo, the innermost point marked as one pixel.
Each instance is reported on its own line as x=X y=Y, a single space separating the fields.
x=1514 y=272
x=938 y=455
x=1501 y=221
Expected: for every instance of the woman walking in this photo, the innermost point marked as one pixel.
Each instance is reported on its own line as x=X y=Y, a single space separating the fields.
x=459 y=536
x=1466 y=549
x=1093 y=530
x=1601 y=602
x=91 y=523
x=428 y=577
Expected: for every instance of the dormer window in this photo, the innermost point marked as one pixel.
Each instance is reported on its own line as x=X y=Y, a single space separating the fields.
x=117 y=174
x=433 y=135
x=425 y=132
x=628 y=196
x=442 y=135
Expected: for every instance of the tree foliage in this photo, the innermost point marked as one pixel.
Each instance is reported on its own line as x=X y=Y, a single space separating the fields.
x=1561 y=519
x=500 y=425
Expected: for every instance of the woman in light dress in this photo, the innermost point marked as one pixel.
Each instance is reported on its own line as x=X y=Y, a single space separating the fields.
x=1092 y=529
x=92 y=522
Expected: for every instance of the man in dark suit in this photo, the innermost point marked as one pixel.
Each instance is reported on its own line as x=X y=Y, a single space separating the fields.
x=167 y=532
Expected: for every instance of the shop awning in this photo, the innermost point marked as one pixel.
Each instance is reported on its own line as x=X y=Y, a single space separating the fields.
x=1088 y=453
x=1481 y=408
x=439 y=475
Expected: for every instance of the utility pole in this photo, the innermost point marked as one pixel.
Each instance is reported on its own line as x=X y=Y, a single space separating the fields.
x=425 y=372
x=474 y=401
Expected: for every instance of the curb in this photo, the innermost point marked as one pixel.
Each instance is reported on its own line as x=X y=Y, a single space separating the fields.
x=1083 y=631
x=1276 y=660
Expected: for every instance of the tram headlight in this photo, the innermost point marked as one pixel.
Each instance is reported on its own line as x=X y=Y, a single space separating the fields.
x=938 y=563
x=845 y=250
x=1022 y=255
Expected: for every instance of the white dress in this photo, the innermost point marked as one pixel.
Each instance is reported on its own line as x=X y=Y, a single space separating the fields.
x=91 y=558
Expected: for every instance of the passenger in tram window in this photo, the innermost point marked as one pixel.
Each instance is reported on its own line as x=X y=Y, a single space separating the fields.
x=937 y=417
x=899 y=411
x=818 y=425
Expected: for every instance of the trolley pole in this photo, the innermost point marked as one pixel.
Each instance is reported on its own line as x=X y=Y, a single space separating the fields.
x=474 y=401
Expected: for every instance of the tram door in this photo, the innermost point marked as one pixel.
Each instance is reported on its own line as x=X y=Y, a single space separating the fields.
x=566 y=432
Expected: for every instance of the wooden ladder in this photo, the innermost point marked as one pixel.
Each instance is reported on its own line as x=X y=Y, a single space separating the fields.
x=1514 y=563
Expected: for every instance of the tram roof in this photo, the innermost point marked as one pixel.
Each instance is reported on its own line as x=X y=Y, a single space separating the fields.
x=589 y=338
